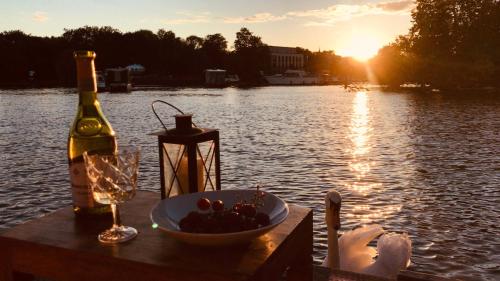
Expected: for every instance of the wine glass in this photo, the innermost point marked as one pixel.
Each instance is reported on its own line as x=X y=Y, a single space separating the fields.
x=113 y=179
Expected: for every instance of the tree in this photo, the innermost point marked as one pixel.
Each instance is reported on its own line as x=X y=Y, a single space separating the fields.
x=389 y=66
x=15 y=66
x=215 y=43
x=194 y=42
x=168 y=36
x=246 y=40
x=171 y=56
x=214 y=50
x=251 y=56
x=456 y=38
x=322 y=62
x=452 y=44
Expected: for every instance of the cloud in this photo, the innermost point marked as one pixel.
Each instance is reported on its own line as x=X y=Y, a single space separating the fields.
x=40 y=16
x=332 y=14
x=343 y=12
x=318 y=17
x=189 y=17
x=335 y=12
x=397 y=6
x=257 y=18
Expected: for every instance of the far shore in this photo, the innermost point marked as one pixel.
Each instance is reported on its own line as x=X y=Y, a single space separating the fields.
x=352 y=87
x=161 y=81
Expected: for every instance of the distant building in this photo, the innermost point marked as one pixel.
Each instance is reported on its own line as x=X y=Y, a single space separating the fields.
x=283 y=58
x=136 y=68
x=118 y=79
x=215 y=77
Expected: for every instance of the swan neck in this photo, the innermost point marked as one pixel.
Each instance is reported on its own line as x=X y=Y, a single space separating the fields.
x=333 y=249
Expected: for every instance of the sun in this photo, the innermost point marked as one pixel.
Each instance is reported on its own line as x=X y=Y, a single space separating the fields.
x=362 y=47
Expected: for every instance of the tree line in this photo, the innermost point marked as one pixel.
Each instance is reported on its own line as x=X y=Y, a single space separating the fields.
x=451 y=44
x=166 y=57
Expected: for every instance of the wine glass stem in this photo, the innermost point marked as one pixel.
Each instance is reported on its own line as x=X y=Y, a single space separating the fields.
x=116 y=215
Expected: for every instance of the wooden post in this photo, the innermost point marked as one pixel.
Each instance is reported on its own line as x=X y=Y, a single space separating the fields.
x=301 y=269
x=6 y=273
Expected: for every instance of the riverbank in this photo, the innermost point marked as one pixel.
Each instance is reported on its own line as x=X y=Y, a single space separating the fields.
x=148 y=82
x=155 y=84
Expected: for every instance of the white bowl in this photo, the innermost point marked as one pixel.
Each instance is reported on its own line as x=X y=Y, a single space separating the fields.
x=168 y=213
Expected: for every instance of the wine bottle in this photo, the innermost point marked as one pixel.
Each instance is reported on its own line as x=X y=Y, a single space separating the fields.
x=90 y=132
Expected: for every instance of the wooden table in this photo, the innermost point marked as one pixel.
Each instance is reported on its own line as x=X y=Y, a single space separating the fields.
x=59 y=247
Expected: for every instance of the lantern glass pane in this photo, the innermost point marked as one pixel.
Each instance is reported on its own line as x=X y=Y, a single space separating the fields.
x=206 y=151
x=172 y=158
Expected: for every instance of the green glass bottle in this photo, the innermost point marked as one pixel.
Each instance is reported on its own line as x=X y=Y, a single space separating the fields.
x=90 y=132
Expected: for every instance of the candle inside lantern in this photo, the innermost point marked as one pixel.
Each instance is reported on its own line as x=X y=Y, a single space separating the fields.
x=178 y=149
x=183 y=174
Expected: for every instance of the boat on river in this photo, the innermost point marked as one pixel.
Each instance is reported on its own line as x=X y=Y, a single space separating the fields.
x=292 y=77
x=101 y=81
x=118 y=79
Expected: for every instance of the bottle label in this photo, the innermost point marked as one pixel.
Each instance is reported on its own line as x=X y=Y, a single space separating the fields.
x=82 y=193
x=88 y=126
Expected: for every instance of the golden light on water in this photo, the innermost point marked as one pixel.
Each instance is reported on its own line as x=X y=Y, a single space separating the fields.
x=360 y=169
x=365 y=183
x=360 y=131
x=359 y=124
x=366 y=214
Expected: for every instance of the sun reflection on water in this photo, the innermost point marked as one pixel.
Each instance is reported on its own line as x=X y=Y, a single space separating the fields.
x=364 y=184
x=359 y=124
x=360 y=130
x=366 y=214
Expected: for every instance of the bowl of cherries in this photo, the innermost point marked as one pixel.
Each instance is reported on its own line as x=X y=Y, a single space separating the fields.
x=220 y=217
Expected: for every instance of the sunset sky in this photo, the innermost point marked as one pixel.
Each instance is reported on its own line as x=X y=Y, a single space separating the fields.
x=357 y=27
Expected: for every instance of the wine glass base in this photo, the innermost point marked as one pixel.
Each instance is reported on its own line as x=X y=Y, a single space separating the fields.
x=117 y=234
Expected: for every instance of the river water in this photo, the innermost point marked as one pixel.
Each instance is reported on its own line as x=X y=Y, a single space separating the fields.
x=426 y=164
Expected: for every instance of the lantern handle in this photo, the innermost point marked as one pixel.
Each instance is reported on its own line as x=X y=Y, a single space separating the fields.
x=158 y=117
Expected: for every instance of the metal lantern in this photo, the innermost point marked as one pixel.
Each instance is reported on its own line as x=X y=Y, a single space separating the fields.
x=189 y=158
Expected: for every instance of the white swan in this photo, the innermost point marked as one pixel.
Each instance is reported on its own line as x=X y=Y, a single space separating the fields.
x=352 y=253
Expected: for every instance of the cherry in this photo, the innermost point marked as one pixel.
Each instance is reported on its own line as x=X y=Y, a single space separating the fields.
x=237 y=207
x=262 y=219
x=249 y=224
x=218 y=205
x=185 y=225
x=194 y=217
x=248 y=210
x=232 y=218
x=212 y=217
x=203 y=204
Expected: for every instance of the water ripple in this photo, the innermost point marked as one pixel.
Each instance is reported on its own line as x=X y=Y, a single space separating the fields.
x=426 y=164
